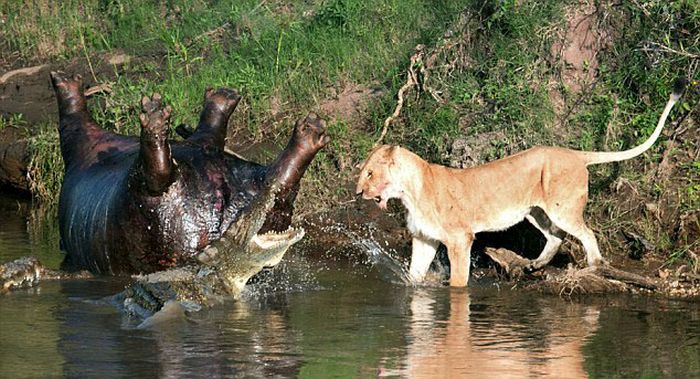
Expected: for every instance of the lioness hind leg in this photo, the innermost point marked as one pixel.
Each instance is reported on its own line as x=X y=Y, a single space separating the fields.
x=574 y=225
x=550 y=231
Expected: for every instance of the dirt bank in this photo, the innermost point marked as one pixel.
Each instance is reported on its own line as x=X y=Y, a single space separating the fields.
x=14 y=159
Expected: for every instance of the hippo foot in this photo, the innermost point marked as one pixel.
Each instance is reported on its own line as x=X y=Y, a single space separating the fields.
x=69 y=93
x=154 y=118
x=157 y=167
x=224 y=99
x=310 y=134
x=65 y=84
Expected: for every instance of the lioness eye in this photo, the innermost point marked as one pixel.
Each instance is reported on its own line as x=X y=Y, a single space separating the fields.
x=369 y=174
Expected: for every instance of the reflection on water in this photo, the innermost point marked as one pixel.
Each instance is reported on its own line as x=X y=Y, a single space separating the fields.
x=466 y=342
x=334 y=318
x=27 y=230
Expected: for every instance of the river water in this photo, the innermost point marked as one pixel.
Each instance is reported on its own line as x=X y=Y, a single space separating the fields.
x=337 y=314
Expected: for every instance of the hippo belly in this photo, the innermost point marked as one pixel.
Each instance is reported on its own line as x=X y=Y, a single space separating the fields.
x=88 y=206
x=139 y=205
x=109 y=225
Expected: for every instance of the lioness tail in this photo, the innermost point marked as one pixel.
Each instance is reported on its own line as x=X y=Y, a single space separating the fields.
x=595 y=157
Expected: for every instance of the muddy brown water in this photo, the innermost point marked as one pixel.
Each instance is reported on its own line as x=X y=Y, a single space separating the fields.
x=336 y=313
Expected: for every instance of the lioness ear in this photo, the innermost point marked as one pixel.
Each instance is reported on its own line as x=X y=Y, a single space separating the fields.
x=371 y=153
x=389 y=155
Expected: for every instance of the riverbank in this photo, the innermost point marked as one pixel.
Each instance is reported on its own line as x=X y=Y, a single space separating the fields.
x=479 y=80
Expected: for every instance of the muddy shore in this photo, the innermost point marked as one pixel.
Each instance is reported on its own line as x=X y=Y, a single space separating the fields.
x=27 y=92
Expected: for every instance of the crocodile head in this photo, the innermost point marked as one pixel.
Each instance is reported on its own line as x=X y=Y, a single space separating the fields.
x=242 y=251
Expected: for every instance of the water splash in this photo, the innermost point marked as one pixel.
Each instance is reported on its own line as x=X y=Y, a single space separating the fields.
x=390 y=267
x=293 y=274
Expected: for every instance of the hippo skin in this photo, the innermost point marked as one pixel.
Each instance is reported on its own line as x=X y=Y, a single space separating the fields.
x=140 y=205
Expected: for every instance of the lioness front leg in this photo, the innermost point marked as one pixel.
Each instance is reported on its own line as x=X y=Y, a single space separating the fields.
x=459 y=252
x=423 y=253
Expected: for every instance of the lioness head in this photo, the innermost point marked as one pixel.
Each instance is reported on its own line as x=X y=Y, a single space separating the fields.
x=377 y=176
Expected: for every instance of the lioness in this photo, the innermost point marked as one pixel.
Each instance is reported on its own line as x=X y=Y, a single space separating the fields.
x=546 y=185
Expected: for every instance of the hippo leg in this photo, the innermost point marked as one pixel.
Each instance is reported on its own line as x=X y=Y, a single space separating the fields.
x=213 y=122
x=308 y=138
x=81 y=138
x=69 y=93
x=184 y=131
x=155 y=159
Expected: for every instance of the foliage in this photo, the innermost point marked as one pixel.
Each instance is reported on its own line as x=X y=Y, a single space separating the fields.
x=45 y=171
x=14 y=120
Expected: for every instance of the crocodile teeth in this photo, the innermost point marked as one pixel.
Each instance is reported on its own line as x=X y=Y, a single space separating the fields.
x=284 y=232
x=288 y=237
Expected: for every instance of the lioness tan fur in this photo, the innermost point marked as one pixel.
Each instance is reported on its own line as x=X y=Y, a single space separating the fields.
x=548 y=186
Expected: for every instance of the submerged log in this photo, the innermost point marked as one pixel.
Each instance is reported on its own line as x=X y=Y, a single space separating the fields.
x=27 y=272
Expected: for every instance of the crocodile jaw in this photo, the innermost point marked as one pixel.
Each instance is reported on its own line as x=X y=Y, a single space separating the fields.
x=263 y=250
x=274 y=245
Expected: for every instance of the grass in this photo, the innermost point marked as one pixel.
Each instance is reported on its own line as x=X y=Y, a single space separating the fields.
x=45 y=170
x=498 y=77
x=13 y=120
x=292 y=53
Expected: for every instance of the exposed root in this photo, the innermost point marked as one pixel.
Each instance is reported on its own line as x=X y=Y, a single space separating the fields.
x=411 y=81
x=424 y=66
x=100 y=88
x=652 y=46
x=215 y=33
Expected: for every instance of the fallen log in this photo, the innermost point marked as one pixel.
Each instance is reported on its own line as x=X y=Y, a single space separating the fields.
x=610 y=272
x=26 y=71
x=571 y=281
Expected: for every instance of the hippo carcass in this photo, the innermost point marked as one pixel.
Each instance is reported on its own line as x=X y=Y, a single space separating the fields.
x=133 y=205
